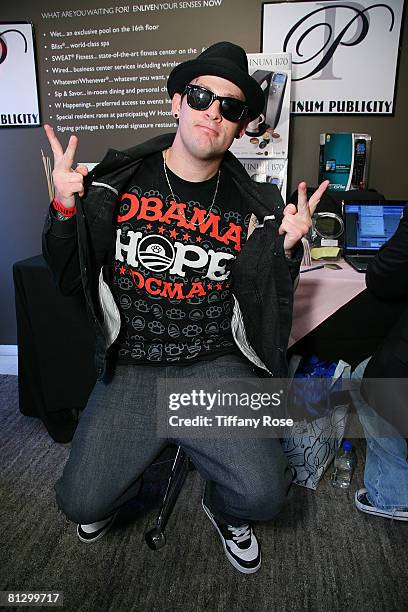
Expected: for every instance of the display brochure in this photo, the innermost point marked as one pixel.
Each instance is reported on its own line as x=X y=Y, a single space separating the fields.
x=268 y=134
x=268 y=171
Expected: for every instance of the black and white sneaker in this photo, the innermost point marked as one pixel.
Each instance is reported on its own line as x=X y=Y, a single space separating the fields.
x=364 y=505
x=240 y=544
x=94 y=531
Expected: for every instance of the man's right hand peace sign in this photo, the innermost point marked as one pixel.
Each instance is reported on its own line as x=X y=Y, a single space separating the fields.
x=67 y=181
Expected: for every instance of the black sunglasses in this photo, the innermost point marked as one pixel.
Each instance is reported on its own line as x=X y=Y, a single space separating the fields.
x=200 y=98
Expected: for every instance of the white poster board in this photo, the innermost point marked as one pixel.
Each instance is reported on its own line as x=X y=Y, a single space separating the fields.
x=18 y=82
x=344 y=54
x=268 y=135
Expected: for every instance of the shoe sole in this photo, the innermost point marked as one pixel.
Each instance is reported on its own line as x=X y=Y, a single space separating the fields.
x=231 y=559
x=100 y=535
x=378 y=512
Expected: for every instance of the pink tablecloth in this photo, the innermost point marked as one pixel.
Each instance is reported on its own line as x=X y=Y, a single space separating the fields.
x=320 y=293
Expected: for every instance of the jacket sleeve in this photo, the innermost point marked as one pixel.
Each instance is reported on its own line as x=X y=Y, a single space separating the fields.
x=387 y=274
x=295 y=261
x=60 y=251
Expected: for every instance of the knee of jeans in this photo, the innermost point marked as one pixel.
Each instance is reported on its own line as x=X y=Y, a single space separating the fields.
x=78 y=508
x=265 y=502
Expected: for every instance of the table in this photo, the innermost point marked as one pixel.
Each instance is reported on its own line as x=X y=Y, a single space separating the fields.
x=55 y=350
x=336 y=317
x=320 y=293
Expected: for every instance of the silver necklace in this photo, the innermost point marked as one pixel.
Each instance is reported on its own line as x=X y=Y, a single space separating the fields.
x=174 y=199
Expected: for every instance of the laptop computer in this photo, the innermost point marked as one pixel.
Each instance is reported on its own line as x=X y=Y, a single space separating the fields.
x=367 y=226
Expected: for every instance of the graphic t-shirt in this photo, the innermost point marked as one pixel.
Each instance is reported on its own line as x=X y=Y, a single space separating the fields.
x=170 y=277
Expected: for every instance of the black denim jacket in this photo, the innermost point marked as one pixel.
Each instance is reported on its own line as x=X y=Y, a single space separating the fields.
x=262 y=277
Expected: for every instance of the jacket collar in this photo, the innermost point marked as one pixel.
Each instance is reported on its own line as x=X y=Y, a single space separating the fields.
x=264 y=197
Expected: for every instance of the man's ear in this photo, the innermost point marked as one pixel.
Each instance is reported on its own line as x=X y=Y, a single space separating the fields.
x=176 y=104
x=242 y=126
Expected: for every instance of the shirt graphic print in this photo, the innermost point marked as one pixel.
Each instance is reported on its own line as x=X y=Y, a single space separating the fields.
x=171 y=276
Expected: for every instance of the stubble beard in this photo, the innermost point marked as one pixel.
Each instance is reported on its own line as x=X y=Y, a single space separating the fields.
x=205 y=149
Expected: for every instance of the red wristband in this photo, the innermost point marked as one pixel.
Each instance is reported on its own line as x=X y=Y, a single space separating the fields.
x=67 y=212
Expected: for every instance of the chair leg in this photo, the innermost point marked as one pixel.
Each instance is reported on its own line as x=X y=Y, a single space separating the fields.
x=155 y=538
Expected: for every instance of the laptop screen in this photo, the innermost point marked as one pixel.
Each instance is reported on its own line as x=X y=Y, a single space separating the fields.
x=369 y=224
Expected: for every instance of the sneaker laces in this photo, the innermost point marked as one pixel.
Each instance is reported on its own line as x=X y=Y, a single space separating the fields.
x=240 y=534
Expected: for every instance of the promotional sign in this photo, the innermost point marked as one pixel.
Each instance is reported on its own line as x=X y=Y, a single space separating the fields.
x=268 y=134
x=268 y=171
x=344 y=54
x=104 y=66
x=18 y=83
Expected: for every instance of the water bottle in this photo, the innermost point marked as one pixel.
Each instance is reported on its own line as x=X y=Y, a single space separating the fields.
x=344 y=464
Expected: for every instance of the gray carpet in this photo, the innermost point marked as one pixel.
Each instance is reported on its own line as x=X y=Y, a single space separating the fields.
x=320 y=554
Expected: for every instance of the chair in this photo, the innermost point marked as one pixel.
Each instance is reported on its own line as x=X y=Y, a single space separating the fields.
x=155 y=537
